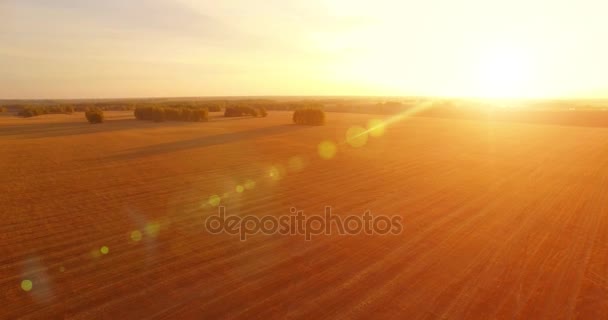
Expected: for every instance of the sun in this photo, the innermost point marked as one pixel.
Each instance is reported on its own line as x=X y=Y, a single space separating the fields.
x=503 y=72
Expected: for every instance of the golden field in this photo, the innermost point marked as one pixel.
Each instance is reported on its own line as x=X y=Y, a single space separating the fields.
x=500 y=220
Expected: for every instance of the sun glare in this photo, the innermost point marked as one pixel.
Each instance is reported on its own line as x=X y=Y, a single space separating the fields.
x=503 y=72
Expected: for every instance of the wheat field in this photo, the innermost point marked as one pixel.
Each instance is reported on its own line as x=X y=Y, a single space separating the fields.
x=500 y=220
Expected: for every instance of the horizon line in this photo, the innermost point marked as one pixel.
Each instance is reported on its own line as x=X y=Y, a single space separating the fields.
x=311 y=97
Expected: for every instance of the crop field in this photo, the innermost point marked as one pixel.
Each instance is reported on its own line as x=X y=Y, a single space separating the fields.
x=500 y=220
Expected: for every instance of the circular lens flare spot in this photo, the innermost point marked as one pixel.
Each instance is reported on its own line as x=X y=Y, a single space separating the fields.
x=276 y=172
x=152 y=229
x=27 y=285
x=240 y=188
x=136 y=235
x=249 y=184
x=327 y=150
x=214 y=200
x=376 y=128
x=104 y=250
x=356 y=136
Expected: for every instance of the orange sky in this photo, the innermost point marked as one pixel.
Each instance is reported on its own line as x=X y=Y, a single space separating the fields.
x=117 y=48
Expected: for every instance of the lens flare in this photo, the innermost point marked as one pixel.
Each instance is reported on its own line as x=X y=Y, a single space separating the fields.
x=356 y=136
x=240 y=188
x=27 y=285
x=214 y=200
x=376 y=128
x=276 y=172
x=421 y=107
x=152 y=229
x=136 y=235
x=104 y=250
x=327 y=150
x=249 y=184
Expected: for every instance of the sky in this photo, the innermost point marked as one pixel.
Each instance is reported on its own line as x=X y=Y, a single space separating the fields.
x=159 y=48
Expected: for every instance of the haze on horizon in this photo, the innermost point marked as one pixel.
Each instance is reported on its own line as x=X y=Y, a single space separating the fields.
x=480 y=48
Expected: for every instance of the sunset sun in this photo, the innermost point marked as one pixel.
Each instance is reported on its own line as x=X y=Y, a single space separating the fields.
x=503 y=72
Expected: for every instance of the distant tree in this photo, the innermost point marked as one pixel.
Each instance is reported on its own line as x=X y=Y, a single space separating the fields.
x=245 y=110
x=262 y=112
x=94 y=116
x=309 y=116
x=177 y=113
